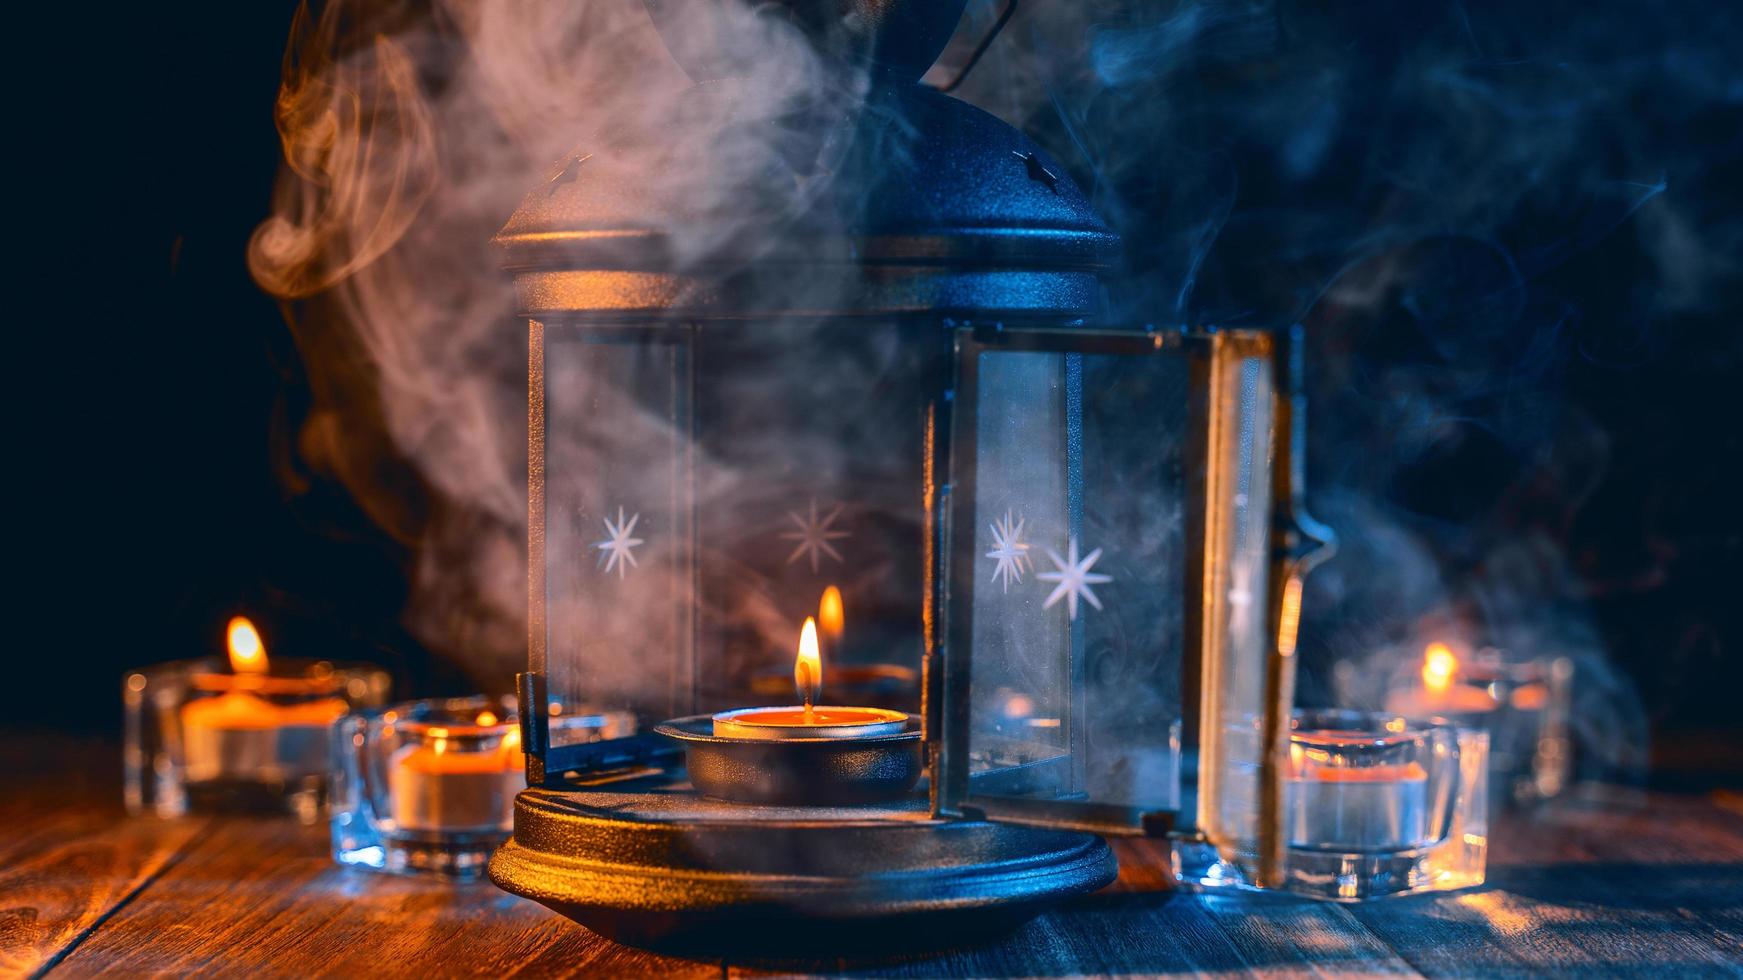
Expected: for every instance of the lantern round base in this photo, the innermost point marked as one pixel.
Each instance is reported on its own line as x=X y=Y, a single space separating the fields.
x=673 y=870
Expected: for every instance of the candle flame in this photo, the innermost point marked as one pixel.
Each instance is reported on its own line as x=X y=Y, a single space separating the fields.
x=830 y=615
x=1439 y=666
x=247 y=653
x=808 y=666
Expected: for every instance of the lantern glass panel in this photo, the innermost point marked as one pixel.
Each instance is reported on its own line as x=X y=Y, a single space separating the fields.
x=809 y=443
x=702 y=485
x=618 y=543
x=1108 y=609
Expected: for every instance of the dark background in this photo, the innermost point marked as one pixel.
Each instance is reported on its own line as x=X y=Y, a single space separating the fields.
x=1539 y=210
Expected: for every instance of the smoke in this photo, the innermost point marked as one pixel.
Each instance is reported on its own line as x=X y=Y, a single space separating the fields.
x=1491 y=219
x=410 y=132
x=1470 y=205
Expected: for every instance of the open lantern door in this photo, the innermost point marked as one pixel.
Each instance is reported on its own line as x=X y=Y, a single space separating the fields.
x=1118 y=585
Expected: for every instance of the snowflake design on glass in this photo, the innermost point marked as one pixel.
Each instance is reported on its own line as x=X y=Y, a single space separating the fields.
x=618 y=551
x=1010 y=549
x=814 y=535
x=1074 y=578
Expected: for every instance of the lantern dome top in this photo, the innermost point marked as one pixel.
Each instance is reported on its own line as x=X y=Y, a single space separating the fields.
x=895 y=39
x=903 y=184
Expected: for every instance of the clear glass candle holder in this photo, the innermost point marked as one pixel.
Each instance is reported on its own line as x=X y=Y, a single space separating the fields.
x=1378 y=804
x=1524 y=704
x=1530 y=746
x=1374 y=805
x=201 y=737
x=429 y=786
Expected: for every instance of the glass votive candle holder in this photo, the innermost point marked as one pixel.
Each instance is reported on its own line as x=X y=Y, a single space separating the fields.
x=201 y=737
x=1522 y=702
x=1531 y=746
x=1378 y=804
x=429 y=786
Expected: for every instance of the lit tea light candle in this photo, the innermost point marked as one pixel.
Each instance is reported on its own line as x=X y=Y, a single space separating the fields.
x=458 y=777
x=1441 y=691
x=808 y=719
x=243 y=733
x=1381 y=807
x=879 y=685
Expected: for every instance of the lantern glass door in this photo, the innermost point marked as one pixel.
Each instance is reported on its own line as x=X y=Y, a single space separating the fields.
x=612 y=478
x=1091 y=505
x=698 y=488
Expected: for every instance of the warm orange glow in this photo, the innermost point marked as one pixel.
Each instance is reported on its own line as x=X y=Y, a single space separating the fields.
x=1531 y=697
x=1439 y=666
x=487 y=718
x=1289 y=617
x=1395 y=773
x=247 y=653
x=808 y=666
x=830 y=615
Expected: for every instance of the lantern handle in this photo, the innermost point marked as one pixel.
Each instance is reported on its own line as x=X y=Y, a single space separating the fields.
x=986 y=41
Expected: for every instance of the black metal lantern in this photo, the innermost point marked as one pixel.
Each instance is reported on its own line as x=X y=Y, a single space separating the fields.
x=853 y=346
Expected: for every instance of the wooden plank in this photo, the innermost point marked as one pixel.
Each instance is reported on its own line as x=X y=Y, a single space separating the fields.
x=1142 y=925
x=1613 y=824
x=1600 y=882
x=69 y=856
x=1604 y=881
x=1285 y=935
x=1099 y=935
x=260 y=898
x=68 y=872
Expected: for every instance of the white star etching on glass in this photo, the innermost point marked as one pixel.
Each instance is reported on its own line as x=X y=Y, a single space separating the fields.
x=618 y=551
x=1010 y=549
x=814 y=535
x=1074 y=578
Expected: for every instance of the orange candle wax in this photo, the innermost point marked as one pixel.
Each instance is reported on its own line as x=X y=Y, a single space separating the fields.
x=437 y=788
x=240 y=735
x=805 y=721
x=1357 y=807
x=1454 y=699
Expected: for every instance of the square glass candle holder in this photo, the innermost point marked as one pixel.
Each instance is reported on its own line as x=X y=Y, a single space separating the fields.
x=1523 y=703
x=1374 y=805
x=200 y=737
x=1530 y=743
x=429 y=786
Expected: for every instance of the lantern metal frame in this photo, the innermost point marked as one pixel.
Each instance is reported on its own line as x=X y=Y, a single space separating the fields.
x=1296 y=544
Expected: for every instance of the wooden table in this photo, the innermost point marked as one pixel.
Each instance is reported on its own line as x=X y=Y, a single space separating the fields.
x=1606 y=882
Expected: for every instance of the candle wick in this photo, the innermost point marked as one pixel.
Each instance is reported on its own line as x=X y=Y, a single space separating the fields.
x=805 y=686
